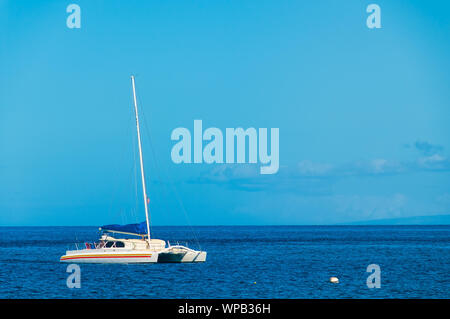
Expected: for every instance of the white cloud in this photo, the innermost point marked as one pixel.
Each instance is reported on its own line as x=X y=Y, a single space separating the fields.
x=307 y=177
x=309 y=168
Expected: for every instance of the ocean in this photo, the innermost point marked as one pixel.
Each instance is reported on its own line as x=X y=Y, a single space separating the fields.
x=242 y=262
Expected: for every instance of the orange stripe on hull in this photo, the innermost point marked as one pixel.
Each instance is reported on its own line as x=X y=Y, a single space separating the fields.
x=82 y=257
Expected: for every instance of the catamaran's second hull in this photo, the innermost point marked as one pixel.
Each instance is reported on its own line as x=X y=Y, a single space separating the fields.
x=100 y=256
x=191 y=256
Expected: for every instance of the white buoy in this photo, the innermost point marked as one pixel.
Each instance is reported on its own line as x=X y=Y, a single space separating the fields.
x=334 y=280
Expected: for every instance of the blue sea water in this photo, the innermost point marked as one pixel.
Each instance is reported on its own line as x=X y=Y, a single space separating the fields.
x=243 y=262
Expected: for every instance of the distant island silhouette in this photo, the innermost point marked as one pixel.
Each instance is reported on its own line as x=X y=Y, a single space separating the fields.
x=415 y=220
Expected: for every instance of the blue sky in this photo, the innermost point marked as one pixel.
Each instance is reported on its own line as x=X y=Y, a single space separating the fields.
x=363 y=113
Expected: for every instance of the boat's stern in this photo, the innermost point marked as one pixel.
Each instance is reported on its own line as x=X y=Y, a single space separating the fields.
x=201 y=257
x=181 y=254
x=63 y=259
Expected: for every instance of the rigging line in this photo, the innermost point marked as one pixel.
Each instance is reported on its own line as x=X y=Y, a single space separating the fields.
x=119 y=213
x=174 y=190
x=146 y=179
x=121 y=216
x=152 y=149
x=135 y=179
x=147 y=130
x=116 y=189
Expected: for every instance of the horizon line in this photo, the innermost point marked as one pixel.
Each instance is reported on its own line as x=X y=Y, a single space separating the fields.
x=246 y=225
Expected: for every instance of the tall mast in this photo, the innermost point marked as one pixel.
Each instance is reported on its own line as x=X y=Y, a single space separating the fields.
x=140 y=158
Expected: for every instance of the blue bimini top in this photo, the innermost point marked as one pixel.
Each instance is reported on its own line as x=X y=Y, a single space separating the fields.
x=134 y=229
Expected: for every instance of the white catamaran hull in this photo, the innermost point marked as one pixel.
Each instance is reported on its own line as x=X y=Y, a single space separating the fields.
x=104 y=256
x=182 y=257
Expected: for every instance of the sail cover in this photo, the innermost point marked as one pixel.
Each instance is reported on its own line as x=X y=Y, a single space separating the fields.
x=136 y=229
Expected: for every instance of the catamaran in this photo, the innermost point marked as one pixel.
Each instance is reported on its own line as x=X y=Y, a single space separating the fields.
x=145 y=249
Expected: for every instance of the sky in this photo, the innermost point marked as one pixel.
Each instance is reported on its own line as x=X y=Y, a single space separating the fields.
x=362 y=113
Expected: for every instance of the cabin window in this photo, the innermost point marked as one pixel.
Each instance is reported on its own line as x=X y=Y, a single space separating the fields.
x=120 y=244
x=109 y=244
